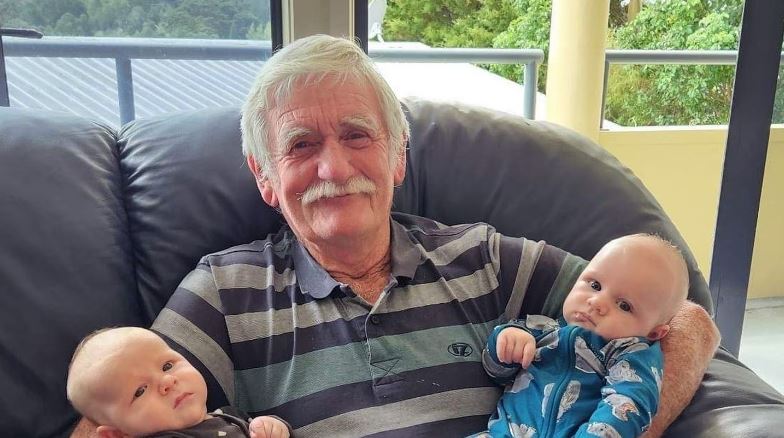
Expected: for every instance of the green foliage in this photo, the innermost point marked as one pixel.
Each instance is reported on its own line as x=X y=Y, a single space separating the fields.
x=530 y=30
x=447 y=23
x=472 y=23
x=228 y=19
x=671 y=94
x=637 y=95
x=647 y=95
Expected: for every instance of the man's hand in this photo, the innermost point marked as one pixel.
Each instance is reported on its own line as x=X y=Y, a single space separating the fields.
x=268 y=427
x=85 y=429
x=688 y=349
x=515 y=345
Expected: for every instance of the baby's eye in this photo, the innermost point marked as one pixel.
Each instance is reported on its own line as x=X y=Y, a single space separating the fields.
x=623 y=305
x=139 y=391
x=167 y=366
x=595 y=285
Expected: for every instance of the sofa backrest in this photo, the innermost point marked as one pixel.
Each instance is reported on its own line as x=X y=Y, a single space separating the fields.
x=97 y=228
x=528 y=178
x=66 y=259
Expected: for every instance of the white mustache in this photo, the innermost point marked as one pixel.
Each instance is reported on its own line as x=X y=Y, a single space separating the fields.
x=328 y=189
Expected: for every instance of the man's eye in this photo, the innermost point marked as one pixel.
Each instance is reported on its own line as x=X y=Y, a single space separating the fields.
x=356 y=138
x=301 y=145
x=595 y=285
x=623 y=305
x=139 y=391
x=355 y=135
x=167 y=366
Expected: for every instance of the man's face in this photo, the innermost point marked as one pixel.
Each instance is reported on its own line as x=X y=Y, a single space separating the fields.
x=331 y=134
x=147 y=387
x=624 y=290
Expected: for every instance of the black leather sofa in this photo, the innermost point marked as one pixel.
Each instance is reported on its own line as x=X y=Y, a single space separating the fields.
x=98 y=226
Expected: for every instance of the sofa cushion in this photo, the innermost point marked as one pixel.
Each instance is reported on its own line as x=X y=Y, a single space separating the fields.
x=65 y=263
x=188 y=193
x=526 y=178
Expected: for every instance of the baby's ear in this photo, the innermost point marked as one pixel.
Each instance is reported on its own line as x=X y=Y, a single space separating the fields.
x=658 y=332
x=109 y=432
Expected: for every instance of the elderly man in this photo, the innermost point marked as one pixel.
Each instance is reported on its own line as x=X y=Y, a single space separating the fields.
x=352 y=321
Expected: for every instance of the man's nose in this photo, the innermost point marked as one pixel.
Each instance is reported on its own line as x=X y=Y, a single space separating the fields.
x=167 y=382
x=334 y=161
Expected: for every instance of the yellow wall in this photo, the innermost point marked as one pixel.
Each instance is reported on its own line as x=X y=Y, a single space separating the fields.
x=681 y=166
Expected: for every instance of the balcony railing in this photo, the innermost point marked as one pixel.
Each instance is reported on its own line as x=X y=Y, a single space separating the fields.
x=650 y=57
x=125 y=50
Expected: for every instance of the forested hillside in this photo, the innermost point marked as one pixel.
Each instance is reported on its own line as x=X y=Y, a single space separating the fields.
x=231 y=19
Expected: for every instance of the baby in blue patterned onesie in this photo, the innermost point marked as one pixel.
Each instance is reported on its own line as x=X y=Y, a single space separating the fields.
x=596 y=371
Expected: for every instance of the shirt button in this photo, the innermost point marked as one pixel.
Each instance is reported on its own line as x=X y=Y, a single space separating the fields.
x=375 y=320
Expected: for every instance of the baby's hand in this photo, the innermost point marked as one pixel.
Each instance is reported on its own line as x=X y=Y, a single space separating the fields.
x=268 y=427
x=515 y=345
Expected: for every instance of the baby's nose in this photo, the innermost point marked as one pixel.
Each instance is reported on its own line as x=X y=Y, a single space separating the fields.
x=166 y=384
x=597 y=304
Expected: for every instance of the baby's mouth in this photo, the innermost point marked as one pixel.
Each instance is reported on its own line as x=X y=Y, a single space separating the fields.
x=180 y=399
x=584 y=317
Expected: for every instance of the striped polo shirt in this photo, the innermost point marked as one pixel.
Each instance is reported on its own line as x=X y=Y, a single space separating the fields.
x=274 y=333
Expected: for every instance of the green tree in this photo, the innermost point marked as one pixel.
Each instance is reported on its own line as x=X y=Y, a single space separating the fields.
x=69 y=24
x=448 y=23
x=139 y=18
x=530 y=30
x=260 y=31
x=671 y=94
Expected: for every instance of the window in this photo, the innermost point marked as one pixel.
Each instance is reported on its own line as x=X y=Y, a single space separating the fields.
x=649 y=94
x=115 y=60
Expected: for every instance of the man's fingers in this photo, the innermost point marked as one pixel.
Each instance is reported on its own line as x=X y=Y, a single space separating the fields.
x=528 y=354
x=517 y=353
x=500 y=347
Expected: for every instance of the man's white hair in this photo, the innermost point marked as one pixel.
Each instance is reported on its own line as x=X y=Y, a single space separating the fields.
x=311 y=60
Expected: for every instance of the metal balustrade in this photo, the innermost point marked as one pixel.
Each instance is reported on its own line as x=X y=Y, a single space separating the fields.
x=661 y=57
x=125 y=50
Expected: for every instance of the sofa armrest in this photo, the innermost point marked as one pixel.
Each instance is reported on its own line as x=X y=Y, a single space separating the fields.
x=731 y=401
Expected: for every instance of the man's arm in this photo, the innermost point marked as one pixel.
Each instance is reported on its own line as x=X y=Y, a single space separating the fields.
x=688 y=348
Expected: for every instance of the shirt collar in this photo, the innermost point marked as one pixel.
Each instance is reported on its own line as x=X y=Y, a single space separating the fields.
x=406 y=255
x=312 y=278
x=315 y=281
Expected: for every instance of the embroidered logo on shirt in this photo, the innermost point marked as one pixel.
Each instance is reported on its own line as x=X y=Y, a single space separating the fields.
x=385 y=369
x=460 y=349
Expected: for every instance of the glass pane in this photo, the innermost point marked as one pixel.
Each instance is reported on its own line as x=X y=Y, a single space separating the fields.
x=225 y=19
x=184 y=54
x=763 y=325
x=416 y=24
x=656 y=95
x=663 y=95
x=778 y=104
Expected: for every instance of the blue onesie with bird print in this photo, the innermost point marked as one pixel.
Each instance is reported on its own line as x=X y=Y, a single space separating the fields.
x=578 y=384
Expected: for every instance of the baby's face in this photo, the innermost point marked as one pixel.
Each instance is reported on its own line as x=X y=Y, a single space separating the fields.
x=624 y=291
x=147 y=387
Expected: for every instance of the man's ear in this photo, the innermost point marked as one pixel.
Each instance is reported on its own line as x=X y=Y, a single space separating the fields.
x=263 y=183
x=109 y=432
x=658 y=332
x=400 y=166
